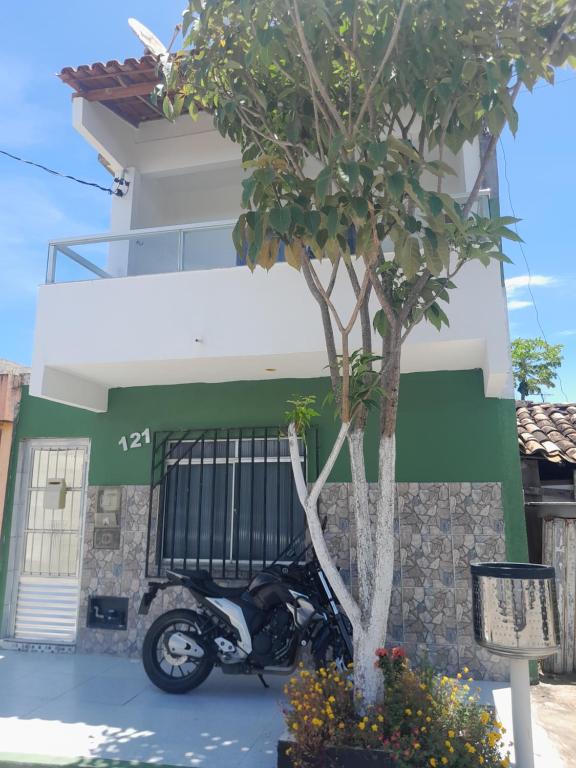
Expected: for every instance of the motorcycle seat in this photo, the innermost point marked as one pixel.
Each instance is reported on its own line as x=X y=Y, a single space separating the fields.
x=202 y=582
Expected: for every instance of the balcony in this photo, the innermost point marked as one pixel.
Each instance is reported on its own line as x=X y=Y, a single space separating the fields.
x=171 y=306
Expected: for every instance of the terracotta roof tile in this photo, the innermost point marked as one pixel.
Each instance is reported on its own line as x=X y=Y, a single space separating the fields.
x=128 y=85
x=547 y=430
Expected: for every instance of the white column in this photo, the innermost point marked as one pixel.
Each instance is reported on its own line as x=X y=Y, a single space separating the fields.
x=521 y=712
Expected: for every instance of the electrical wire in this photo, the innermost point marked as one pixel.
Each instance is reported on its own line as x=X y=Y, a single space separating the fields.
x=528 y=270
x=109 y=190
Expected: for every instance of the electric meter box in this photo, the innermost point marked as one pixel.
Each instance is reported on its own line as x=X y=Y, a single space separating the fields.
x=55 y=494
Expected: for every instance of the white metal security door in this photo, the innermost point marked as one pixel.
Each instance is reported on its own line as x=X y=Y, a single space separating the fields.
x=48 y=586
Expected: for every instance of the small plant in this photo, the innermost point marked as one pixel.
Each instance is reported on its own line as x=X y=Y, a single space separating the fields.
x=424 y=720
x=301 y=413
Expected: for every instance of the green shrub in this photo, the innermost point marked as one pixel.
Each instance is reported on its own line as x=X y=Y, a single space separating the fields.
x=425 y=720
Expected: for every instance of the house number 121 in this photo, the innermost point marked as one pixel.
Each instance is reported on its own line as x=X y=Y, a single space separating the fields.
x=135 y=440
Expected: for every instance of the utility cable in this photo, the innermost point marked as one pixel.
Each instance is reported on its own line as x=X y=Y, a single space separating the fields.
x=528 y=270
x=109 y=190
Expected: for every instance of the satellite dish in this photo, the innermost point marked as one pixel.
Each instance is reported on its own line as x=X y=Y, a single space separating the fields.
x=148 y=38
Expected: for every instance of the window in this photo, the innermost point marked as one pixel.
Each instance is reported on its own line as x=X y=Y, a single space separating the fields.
x=228 y=501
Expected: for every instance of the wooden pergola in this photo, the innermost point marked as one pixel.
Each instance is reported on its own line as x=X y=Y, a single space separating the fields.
x=123 y=87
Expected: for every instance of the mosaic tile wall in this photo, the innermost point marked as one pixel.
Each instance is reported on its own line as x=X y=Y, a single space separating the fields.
x=440 y=528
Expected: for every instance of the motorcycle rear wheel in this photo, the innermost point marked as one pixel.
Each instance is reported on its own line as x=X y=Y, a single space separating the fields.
x=174 y=674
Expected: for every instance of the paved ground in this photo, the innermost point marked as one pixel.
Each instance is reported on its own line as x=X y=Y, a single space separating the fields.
x=73 y=706
x=554 y=702
x=104 y=707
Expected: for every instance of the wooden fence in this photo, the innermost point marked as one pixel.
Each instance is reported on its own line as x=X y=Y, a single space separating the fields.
x=559 y=550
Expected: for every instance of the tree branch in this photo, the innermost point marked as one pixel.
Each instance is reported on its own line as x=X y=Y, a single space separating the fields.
x=309 y=501
x=311 y=67
x=385 y=58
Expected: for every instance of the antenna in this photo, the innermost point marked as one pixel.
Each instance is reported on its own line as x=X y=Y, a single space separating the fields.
x=148 y=38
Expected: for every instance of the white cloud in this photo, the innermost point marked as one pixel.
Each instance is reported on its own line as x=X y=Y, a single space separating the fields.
x=516 y=304
x=515 y=284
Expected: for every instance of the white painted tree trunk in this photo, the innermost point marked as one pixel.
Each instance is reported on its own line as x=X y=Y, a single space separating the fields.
x=375 y=550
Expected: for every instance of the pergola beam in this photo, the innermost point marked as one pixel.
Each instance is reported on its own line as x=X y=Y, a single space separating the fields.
x=117 y=92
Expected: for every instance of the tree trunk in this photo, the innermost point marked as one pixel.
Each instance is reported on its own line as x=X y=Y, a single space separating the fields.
x=370 y=632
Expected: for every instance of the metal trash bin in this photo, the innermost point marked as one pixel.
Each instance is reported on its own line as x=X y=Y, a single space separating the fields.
x=515 y=609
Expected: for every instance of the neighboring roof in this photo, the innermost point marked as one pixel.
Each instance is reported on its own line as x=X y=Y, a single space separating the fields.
x=124 y=87
x=547 y=430
x=7 y=366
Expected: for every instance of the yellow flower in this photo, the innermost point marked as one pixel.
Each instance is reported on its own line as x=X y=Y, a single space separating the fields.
x=380 y=718
x=341 y=725
x=419 y=713
x=422 y=687
x=484 y=717
x=493 y=738
x=459 y=676
x=317 y=722
x=465 y=670
x=480 y=759
x=444 y=760
x=294 y=726
x=374 y=727
x=331 y=699
x=433 y=762
x=408 y=712
x=416 y=746
x=447 y=744
x=428 y=719
x=470 y=748
x=451 y=734
x=362 y=725
x=505 y=762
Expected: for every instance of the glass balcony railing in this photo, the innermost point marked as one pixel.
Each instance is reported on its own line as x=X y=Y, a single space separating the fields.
x=142 y=252
x=180 y=248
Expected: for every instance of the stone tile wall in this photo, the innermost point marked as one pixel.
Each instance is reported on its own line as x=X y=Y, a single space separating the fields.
x=440 y=528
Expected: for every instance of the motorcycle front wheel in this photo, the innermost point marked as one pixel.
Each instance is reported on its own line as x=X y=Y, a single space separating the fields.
x=170 y=673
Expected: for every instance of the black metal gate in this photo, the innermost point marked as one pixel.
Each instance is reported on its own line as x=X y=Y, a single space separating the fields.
x=223 y=500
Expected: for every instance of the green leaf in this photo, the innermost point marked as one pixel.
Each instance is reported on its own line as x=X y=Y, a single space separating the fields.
x=312 y=220
x=239 y=236
x=280 y=219
x=509 y=234
x=360 y=207
x=409 y=257
x=247 y=190
x=469 y=70
x=332 y=222
x=351 y=174
x=377 y=151
x=380 y=323
x=395 y=184
x=322 y=185
x=168 y=108
x=433 y=260
x=435 y=204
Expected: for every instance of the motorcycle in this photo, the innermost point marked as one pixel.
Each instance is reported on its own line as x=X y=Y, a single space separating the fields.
x=256 y=629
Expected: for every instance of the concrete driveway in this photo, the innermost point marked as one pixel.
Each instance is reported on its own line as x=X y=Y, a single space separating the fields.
x=78 y=711
x=72 y=706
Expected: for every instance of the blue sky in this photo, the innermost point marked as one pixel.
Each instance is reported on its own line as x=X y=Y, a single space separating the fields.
x=35 y=122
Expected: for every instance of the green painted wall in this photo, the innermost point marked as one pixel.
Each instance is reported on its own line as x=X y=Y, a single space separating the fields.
x=447 y=431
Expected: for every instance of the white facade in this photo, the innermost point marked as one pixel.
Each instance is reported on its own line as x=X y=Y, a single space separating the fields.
x=212 y=320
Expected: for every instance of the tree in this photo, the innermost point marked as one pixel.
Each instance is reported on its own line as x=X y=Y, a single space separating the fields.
x=534 y=364
x=346 y=113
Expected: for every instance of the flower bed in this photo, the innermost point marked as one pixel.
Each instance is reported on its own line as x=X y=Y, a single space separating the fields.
x=424 y=721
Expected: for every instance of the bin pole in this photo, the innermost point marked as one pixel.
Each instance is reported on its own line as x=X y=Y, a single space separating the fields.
x=521 y=714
